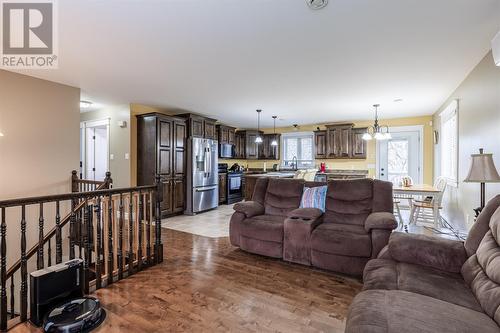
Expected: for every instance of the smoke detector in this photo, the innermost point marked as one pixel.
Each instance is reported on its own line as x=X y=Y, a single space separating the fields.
x=317 y=4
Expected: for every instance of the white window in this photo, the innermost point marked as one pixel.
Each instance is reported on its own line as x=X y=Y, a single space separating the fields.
x=298 y=148
x=449 y=143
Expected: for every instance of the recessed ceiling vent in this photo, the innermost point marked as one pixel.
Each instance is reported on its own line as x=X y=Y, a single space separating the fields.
x=317 y=4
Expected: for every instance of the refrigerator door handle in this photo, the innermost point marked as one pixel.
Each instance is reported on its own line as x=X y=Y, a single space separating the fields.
x=206 y=189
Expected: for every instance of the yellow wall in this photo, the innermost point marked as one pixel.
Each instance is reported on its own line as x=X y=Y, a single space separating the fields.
x=369 y=163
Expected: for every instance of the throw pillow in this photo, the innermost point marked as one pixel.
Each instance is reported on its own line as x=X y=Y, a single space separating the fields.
x=314 y=197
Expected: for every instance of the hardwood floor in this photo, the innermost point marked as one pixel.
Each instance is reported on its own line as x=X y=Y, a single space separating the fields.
x=206 y=285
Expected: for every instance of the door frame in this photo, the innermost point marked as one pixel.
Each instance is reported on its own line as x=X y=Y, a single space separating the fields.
x=89 y=124
x=399 y=129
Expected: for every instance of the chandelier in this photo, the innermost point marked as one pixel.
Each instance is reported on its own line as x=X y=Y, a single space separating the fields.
x=377 y=132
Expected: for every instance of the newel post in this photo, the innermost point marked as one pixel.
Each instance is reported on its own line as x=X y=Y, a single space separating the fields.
x=74 y=181
x=159 y=198
x=108 y=180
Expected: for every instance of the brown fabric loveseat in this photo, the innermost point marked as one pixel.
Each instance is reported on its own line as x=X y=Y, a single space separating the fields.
x=429 y=284
x=356 y=225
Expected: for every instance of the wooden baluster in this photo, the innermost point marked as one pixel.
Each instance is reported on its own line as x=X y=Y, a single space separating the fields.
x=80 y=235
x=58 y=234
x=120 y=238
x=110 y=239
x=148 y=228
x=74 y=182
x=159 y=198
x=24 y=268
x=130 y=255
x=139 y=226
x=3 y=273
x=72 y=221
x=87 y=217
x=97 y=240
x=39 y=263
x=49 y=253
x=12 y=299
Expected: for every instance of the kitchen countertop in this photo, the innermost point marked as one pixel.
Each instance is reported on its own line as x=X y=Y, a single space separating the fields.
x=344 y=172
x=272 y=174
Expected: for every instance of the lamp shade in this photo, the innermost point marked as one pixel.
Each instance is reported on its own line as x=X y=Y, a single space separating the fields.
x=482 y=169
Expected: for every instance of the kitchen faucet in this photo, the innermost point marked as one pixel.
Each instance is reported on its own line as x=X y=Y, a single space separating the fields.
x=295 y=163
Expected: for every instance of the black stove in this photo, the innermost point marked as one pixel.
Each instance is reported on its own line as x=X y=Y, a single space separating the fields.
x=235 y=183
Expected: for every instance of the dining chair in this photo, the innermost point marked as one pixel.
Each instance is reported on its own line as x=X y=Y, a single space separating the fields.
x=398 y=200
x=428 y=209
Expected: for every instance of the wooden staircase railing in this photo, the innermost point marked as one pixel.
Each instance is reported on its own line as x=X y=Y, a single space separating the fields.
x=112 y=229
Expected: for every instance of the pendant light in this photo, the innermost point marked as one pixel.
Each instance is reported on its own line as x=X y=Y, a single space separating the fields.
x=377 y=131
x=274 y=142
x=258 y=139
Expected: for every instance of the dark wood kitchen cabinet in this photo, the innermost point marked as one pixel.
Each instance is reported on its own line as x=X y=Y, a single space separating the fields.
x=161 y=149
x=225 y=134
x=199 y=126
x=246 y=148
x=358 y=144
x=268 y=151
x=340 y=141
x=239 y=145
x=320 y=150
x=222 y=188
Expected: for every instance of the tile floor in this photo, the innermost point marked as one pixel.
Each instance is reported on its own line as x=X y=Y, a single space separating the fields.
x=213 y=224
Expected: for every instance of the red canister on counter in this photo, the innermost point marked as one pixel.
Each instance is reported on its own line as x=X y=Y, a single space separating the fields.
x=322 y=167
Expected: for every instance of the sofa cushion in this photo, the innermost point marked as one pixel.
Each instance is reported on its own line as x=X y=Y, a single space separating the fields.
x=263 y=227
x=393 y=275
x=349 y=201
x=385 y=311
x=348 y=240
x=283 y=196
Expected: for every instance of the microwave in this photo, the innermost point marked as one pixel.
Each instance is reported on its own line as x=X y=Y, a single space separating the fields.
x=226 y=150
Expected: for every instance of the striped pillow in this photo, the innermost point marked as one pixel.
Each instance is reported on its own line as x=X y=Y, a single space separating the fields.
x=314 y=197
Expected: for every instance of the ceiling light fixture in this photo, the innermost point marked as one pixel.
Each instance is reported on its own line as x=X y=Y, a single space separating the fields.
x=258 y=139
x=317 y=4
x=274 y=142
x=85 y=104
x=376 y=131
x=1 y=134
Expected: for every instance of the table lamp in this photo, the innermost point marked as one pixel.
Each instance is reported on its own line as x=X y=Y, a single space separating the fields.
x=482 y=170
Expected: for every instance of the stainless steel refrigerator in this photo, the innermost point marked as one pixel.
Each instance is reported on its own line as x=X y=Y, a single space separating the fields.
x=203 y=179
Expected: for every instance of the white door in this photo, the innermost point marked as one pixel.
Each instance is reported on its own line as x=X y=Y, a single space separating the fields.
x=96 y=161
x=400 y=156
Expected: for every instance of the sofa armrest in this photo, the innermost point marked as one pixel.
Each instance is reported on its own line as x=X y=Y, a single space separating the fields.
x=380 y=220
x=443 y=254
x=249 y=208
x=306 y=213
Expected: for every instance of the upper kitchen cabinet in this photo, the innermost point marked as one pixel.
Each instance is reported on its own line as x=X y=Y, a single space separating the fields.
x=320 y=150
x=199 y=126
x=226 y=134
x=340 y=141
x=358 y=144
x=268 y=151
x=240 y=145
x=246 y=147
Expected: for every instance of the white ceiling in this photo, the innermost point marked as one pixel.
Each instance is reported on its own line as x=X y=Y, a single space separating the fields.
x=225 y=58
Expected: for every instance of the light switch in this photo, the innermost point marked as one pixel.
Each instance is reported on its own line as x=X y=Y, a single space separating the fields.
x=111 y=156
x=126 y=156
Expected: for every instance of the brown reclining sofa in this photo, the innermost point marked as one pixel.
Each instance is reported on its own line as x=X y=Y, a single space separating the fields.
x=428 y=284
x=355 y=227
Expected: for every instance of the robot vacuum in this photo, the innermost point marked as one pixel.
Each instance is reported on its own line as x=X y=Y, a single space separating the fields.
x=78 y=315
